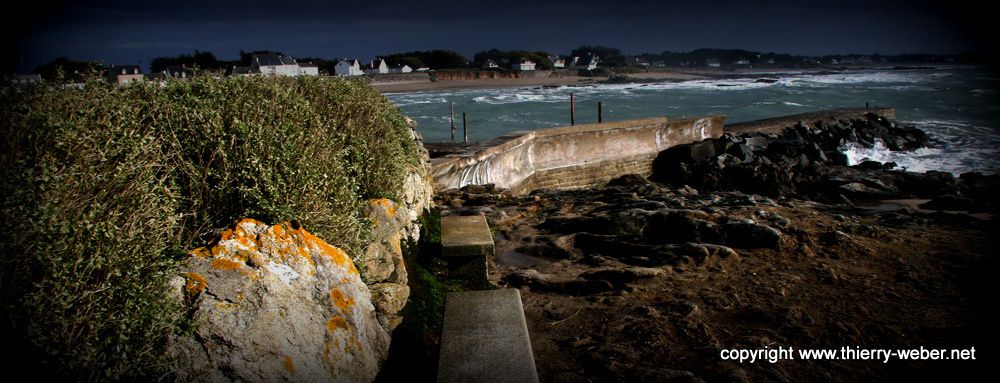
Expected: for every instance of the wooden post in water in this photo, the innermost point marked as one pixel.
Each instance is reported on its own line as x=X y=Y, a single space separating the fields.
x=465 y=128
x=452 y=121
x=600 y=113
x=572 y=110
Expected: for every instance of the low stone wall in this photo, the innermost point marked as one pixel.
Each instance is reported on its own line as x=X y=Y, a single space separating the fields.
x=491 y=74
x=569 y=157
x=397 y=78
x=775 y=125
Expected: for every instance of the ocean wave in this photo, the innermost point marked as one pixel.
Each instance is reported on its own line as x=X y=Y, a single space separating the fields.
x=920 y=160
x=849 y=78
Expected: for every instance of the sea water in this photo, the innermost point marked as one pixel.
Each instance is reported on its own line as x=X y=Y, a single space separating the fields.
x=956 y=106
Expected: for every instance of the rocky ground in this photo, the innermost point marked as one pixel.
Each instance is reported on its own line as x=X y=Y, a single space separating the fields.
x=756 y=241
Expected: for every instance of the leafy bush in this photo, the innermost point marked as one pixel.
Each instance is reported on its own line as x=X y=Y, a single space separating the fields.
x=104 y=188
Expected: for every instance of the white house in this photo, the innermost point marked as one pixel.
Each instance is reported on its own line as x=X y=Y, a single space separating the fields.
x=741 y=61
x=524 y=64
x=348 y=68
x=490 y=64
x=400 y=69
x=557 y=62
x=377 y=67
x=274 y=64
x=713 y=63
x=308 y=69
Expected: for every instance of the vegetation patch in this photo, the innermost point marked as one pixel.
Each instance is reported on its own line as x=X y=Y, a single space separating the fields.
x=106 y=188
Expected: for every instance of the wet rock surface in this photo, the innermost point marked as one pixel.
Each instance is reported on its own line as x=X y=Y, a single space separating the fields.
x=648 y=281
x=807 y=161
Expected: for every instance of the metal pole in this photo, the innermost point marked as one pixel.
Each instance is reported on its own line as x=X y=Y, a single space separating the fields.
x=452 y=121
x=572 y=110
x=600 y=113
x=465 y=128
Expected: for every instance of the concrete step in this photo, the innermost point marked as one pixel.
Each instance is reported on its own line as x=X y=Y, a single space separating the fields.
x=465 y=236
x=466 y=242
x=485 y=339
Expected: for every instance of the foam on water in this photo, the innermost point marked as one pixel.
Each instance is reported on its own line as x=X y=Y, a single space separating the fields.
x=956 y=106
x=958 y=148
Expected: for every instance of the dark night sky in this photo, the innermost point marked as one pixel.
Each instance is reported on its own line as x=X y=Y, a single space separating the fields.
x=130 y=32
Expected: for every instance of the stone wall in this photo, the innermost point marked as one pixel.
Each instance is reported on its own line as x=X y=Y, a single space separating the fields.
x=382 y=265
x=473 y=74
x=570 y=157
x=397 y=78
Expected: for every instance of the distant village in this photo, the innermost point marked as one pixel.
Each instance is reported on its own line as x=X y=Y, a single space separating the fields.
x=585 y=60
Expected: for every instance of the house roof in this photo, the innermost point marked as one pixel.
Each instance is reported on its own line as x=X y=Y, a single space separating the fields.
x=129 y=69
x=272 y=59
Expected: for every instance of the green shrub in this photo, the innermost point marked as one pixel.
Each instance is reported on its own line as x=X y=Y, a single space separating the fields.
x=105 y=188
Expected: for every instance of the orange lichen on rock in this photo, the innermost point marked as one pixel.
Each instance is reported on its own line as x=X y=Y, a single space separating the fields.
x=195 y=284
x=341 y=301
x=335 y=254
x=225 y=264
x=384 y=202
x=201 y=252
x=337 y=322
x=289 y=366
x=279 y=232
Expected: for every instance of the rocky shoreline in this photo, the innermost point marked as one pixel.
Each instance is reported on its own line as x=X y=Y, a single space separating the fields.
x=750 y=241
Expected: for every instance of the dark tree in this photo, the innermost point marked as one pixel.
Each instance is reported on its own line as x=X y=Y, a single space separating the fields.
x=198 y=59
x=64 y=69
x=435 y=59
x=611 y=57
x=404 y=59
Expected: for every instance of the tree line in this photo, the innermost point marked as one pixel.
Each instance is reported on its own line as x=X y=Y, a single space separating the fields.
x=65 y=68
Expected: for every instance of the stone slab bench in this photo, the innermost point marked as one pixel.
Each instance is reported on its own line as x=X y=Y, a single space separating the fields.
x=485 y=339
x=466 y=242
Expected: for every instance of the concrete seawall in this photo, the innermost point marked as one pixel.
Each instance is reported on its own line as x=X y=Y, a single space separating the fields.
x=570 y=157
x=473 y=74
x=775 y=125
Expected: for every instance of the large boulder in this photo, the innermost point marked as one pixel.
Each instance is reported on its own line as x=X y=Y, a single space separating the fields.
x=276 y=303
